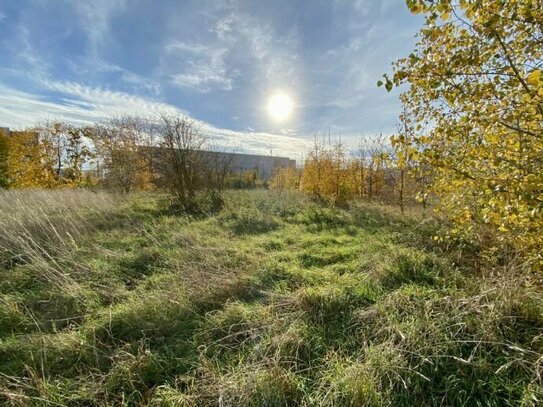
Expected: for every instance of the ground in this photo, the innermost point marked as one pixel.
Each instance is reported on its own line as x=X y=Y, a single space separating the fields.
x=273 y=300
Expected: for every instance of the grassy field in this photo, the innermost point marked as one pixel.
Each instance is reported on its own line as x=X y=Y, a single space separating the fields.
x=274 y=300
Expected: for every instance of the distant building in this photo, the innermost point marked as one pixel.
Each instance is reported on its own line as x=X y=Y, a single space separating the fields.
x=264 y=165
x=233 y=163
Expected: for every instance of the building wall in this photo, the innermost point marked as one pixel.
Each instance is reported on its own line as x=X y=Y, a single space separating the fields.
x=263 y=164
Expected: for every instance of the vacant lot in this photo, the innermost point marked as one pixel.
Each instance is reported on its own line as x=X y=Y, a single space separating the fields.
x=274 y=300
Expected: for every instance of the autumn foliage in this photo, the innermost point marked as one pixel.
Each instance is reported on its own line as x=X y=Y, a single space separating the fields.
x=373 y=172
x=476 y=76
x=286 y=179
x=23 y=161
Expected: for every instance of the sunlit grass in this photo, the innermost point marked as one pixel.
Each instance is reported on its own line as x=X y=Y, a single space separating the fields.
x=275 y=300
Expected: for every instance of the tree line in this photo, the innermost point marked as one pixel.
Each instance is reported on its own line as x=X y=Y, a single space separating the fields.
x=379 y=169
x=121 y=153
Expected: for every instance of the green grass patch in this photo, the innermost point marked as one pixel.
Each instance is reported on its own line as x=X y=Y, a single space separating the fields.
x=268 y=299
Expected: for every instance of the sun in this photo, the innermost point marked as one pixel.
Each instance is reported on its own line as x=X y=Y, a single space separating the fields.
x=280 y=106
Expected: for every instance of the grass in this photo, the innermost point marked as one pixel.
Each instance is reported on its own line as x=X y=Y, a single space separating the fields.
x=274 y=300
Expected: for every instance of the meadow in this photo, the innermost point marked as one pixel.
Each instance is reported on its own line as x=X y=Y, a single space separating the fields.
x=273 y=299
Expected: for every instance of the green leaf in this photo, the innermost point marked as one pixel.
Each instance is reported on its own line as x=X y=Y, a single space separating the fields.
x=388 y=85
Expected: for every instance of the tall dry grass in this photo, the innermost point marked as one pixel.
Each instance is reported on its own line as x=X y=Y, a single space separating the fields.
x=37 y=226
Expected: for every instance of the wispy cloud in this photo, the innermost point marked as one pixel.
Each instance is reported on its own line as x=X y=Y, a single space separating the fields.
x=259 y=142
x=94 y=17
x=73 y=102
x=104 y=102
x=274 y=53
x=236 y=49
x=139 y=82
x=20 y=109
x=24 y=52
x=203 y=67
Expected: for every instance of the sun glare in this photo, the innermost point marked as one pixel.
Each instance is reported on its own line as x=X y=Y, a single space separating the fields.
x=280 y=106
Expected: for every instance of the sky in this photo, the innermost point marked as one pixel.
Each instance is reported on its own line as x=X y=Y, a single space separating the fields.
x=218 y=62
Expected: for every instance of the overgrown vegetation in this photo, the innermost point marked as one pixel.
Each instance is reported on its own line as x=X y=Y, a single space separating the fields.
x=477 y=76
x=273 y=300
x=309 y=294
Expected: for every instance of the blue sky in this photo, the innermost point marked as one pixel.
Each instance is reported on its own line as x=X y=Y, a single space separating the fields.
x=216 y=61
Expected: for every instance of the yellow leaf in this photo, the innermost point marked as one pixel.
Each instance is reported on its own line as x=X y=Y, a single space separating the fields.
x=534 y=77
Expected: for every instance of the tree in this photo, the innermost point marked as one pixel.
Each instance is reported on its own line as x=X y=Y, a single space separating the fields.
x=65 y=150
x=358 y=168
x=218 y=165
x=122 y=153
x=286 y=178
x=325 y=174
x=403 y=156
x=476 y=78
x=53 y=140
x=376 y=156
x=77 y=153
x=26 y=164
x=183 y=166
x=314 y=170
